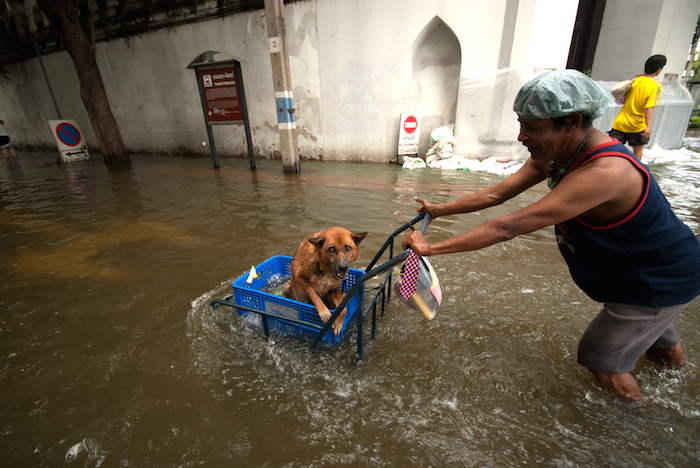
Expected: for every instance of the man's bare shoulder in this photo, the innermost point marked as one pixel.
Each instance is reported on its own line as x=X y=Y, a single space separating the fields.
x=615 y=183
x=614 y=176
x=610 y=163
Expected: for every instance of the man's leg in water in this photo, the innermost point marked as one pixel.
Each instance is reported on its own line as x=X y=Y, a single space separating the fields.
x=626 y=385
x=673 y=356
x=620 y=335
x=622 y=384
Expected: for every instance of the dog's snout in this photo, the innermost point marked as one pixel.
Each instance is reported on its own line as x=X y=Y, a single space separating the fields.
x=341 y=268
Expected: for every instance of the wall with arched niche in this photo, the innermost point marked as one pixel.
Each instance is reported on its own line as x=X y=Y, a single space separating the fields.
x=434 y=66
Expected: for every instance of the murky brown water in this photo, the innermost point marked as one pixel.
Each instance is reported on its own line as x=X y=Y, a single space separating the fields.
x=108 y=355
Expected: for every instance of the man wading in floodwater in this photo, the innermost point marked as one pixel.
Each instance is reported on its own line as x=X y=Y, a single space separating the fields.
x=615 y=229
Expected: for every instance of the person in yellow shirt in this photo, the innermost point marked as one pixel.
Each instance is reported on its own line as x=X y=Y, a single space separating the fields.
x=633 y=124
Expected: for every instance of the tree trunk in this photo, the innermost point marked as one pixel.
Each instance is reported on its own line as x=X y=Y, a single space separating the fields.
x=63 y=16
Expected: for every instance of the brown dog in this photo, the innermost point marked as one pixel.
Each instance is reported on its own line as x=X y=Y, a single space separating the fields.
x=318 y=268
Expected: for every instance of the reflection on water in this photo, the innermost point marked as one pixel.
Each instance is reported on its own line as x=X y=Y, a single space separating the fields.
x=108 y=355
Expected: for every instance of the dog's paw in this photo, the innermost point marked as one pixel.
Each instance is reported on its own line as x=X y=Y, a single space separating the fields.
x=337 y=327
x=325 y=315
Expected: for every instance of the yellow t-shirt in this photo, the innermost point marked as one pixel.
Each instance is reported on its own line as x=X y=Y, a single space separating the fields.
x=644 y=93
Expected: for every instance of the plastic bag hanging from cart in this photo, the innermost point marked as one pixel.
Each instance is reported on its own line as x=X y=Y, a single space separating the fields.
x=417 y=285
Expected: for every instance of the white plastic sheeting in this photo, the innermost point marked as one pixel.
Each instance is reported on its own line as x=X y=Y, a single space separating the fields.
x=653 y=155
x=486 y=125
x=670 y=120
x=658 y=155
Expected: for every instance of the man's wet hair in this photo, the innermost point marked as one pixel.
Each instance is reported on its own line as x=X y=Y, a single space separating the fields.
x=654 y=63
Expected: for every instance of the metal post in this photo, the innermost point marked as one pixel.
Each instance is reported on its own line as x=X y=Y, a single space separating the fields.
x=210 y=134
x=282 y=78
x=46 y=76
x=244 y=111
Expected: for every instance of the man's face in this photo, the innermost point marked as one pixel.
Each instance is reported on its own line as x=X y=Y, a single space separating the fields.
x=541 y=138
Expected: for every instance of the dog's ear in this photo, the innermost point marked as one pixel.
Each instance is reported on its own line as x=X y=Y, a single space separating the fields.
x=316 y=241
x=357 y=238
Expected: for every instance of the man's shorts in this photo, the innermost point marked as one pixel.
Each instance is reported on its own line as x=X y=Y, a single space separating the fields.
x=621 y=333
x=5 y=141
x=634 y=139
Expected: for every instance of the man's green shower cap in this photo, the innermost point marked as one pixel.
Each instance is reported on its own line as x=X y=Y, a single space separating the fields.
x=559 y=93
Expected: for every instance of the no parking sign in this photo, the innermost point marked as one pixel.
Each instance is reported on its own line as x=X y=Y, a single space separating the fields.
x=68 y=134
x=69 y=139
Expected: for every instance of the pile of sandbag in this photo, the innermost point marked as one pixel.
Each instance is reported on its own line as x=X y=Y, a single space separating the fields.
x=441 y=156
x=442 y=140
x=459 y=163
x=413 y=163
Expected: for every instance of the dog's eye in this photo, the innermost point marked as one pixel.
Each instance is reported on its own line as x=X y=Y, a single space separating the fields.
x=331 y=249
x=348 y=248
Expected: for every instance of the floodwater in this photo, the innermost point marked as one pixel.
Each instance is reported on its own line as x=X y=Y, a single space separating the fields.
x=109 y=356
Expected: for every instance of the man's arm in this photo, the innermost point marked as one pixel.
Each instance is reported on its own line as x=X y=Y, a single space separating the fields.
x=652 y=101
x=648 y=113
x=527 y=176
x=607 y=188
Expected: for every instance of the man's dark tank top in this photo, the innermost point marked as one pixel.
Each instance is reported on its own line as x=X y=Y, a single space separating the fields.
x=650 y=258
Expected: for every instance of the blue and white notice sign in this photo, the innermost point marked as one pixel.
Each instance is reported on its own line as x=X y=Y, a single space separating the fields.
x=285 y=110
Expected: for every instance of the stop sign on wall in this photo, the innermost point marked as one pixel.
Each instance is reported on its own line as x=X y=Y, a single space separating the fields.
x=409 y=134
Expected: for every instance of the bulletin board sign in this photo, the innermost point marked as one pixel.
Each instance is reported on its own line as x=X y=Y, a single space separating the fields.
x=221 y=95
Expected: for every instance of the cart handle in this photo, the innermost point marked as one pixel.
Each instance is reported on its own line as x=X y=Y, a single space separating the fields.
x=372 y=273
x=390 y=239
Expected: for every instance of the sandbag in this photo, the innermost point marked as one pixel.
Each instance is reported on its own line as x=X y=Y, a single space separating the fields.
x=413 y=163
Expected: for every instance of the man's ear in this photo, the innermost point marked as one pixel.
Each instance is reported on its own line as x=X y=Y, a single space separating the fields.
x=574 y=121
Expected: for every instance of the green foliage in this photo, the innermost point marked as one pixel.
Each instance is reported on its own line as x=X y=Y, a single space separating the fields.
x=694 y=122
x=694 y=70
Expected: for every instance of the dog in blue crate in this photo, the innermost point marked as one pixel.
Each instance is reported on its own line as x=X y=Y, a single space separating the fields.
x=318 y=268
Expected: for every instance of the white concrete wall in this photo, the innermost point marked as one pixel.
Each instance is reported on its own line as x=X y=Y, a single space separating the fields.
x=365 y=70
x=634 y=30
x=156 y=102
x=304 y=61
x=434 y=65
x=155 y=99
x=486 y=124
x=353 y=64
x=552 y=29
x=674 y=35
x=365 y=53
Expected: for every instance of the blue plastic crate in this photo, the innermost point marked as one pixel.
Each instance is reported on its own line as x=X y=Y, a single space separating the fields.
x=250 y=295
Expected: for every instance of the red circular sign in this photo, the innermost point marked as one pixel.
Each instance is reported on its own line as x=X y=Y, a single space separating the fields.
x=410 y=124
